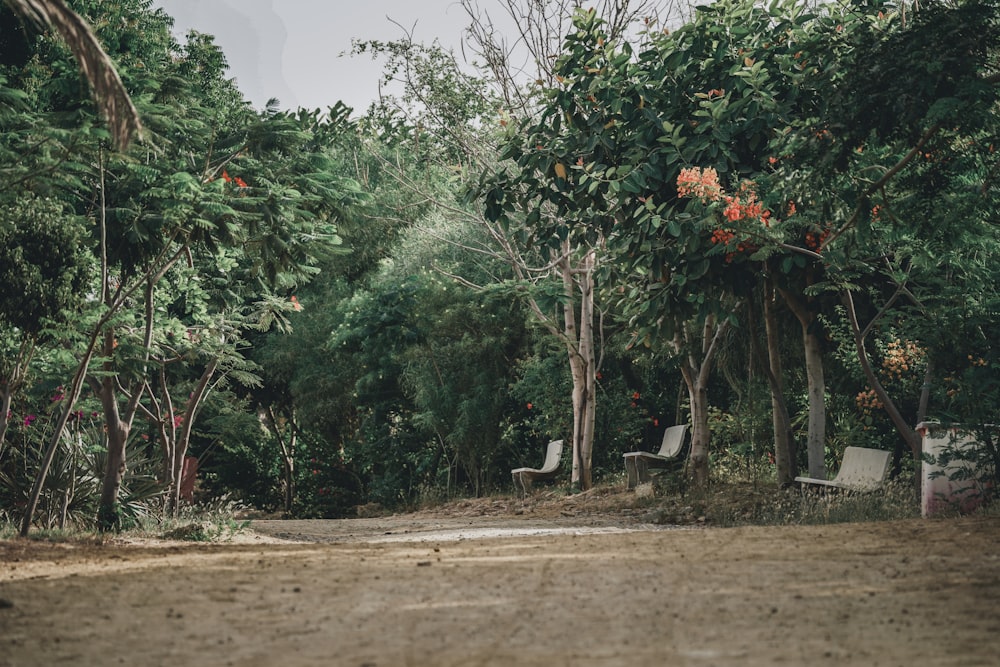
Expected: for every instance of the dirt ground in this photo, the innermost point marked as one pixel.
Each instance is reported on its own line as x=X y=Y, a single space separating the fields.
x=511 y=583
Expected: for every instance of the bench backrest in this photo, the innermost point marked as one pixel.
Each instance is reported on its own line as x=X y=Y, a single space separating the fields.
x=673 y=441
x=863 y=468
x=553 y=453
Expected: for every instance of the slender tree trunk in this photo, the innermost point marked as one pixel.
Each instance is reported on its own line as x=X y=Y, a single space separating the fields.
x=816 y=443
x=580 y=349
x=909 y=435
x=784 y=442
x=287 y=446
x=289 y=462
x=112 y=302
x=117 y=436
x=161 y=414
x=816 y=384
x=6 y=395
x=183 y=440
x=697 y=355
x=701 y=436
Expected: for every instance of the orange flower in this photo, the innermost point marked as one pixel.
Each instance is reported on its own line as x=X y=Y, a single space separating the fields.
x=695 y=182
x=734 y=211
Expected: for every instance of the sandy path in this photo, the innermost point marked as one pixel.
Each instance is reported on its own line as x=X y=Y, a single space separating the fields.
x=400 y=591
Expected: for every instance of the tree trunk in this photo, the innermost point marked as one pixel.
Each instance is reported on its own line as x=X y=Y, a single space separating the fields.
x=289 y=470
x=580 y=349
x=113 y=303
x=784 y=442
x=925 y=392
x=697 y=355
x=816 y=442
x=287 y=447
x=816 y=438
x=117 y=436
x=6 y=394
x=909 y=435
x=183 y=441
x=701 y=436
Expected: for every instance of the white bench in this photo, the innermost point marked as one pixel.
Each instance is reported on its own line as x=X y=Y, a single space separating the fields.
x=523 y=477
x=637 y=464
x=862 y=469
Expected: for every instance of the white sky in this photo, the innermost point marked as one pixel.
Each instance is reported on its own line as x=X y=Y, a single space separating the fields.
x=292 y=49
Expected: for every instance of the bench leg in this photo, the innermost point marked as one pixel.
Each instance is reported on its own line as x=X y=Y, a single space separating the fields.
x=642 y=470
x=522 y=482
x=631 y=474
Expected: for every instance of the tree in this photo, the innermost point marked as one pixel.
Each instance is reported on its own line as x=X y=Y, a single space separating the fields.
x=606 y=155
x=43 y=269
x=889 y=162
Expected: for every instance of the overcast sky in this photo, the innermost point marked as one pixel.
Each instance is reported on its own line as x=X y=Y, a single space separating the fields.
x=295 y=50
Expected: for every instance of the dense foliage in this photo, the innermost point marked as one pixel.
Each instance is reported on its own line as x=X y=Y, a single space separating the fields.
x=317 y=311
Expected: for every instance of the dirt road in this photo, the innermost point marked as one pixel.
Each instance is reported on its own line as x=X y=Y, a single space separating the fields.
x=509 y=591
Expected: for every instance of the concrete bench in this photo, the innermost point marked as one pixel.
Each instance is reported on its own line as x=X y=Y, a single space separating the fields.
x=862 y=469
x=637 y=464
x=523 y=477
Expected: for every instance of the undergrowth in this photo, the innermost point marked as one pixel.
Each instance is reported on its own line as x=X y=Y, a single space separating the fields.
x=773 y=506
x=219 y=520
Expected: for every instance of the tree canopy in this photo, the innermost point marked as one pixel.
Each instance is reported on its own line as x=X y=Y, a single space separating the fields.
x=326 y=309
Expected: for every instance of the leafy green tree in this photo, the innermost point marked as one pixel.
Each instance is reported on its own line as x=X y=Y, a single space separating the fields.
x=43 y=271
x=892 y=166
x=596 y=165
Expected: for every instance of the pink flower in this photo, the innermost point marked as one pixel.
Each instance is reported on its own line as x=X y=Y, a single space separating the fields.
x=29 y=419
